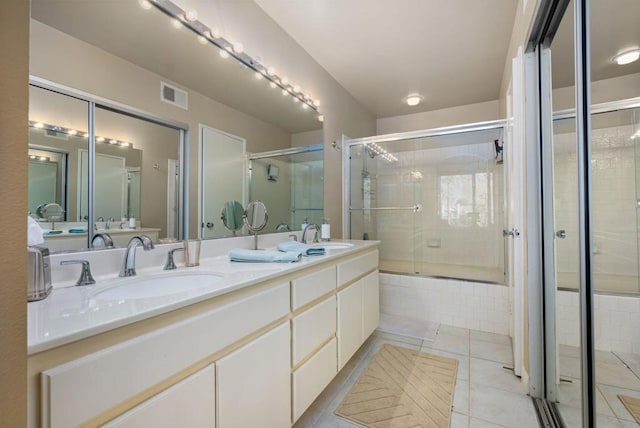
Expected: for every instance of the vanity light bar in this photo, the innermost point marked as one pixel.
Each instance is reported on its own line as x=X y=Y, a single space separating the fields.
x=189 y=20
x=73 y=132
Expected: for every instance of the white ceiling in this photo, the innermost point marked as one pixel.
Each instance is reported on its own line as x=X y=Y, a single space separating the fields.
x=450 y=51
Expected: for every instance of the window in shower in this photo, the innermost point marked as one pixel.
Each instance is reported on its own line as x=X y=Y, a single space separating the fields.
x=435 y=202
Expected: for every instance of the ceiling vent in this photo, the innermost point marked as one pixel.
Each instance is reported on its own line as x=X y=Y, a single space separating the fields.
x=172 y=95
x=51 y=133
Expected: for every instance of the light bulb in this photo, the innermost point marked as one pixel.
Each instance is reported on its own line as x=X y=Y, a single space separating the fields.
x=224 y=53
x=627 y=57
x=145 y=4
x=215 y=33
x=99 y=139
x=320 y=118
x=203 y=40
x=175 y=23
x=316 y=103
x=271 y=71
x=113 y=141
x=38 y=125
x=305 y=106
x=285 y=92
x=85 y=135
x=72 y=132
x=32 y=156
x=42 y=158
x=296 y=88
x=273 y=85
x=258 y=75
x=296 y=100
x=191 y=15
x=285 y=81
x=413 y=99
x=237 y=47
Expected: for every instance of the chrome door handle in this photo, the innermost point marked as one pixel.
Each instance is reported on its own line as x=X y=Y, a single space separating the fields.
x=562 y=234
x=209 y=225
x=513 y=232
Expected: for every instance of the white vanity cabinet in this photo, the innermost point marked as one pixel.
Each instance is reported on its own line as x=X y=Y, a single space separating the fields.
x=189 y=403
x=254 y=387
x=358 y=304
x=255 y=357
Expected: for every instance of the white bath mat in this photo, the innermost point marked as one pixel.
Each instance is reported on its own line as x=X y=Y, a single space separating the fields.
x=411 y=327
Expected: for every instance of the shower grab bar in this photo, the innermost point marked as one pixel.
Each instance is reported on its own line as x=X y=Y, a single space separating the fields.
x=414 y=208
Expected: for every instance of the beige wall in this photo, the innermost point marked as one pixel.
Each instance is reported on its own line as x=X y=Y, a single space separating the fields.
x=14 y=67
x=602 y=91
x=459 y=115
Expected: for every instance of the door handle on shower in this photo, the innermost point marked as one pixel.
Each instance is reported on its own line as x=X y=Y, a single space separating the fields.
x=562 y=234
x=513 y=232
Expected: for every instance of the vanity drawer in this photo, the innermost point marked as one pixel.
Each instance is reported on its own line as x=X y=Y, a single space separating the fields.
x=312 y=328
x=84 y=388
x=352 y=269
x=309 y=287
x=313 y=377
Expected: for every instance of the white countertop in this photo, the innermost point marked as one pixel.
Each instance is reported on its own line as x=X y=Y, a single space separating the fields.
x=71 y=313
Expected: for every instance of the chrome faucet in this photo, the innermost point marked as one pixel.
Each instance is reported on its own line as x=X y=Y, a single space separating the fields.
x=316 y=229
x=129 y=262
x=105 y=238
x=108 y=225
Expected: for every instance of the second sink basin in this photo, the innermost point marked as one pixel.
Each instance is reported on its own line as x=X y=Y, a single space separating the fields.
x=334 y=245
x=158 y=286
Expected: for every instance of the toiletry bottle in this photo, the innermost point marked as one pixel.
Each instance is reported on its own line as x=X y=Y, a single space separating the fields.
x=304 y=224
x=325 y=232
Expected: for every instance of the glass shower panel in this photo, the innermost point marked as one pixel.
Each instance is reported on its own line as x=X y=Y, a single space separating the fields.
x=615 y=213
x=435 y=203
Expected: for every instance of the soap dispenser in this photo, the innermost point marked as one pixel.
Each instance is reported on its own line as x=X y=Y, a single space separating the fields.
x=325 y=233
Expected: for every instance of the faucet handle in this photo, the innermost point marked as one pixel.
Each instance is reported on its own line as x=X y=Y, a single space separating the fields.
x=170 y=265
x=293 y=235
x=85 y=275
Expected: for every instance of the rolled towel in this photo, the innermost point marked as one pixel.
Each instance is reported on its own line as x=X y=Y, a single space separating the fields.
x=78 y=230
x=263 y=256
x=51 y=232
x=306 y=250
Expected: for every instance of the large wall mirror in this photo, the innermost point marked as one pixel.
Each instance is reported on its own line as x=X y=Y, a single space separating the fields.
x=125 y=183
x=127 y=62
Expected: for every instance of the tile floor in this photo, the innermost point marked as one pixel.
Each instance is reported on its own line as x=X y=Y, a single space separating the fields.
x=613 y=377
x=486 y=395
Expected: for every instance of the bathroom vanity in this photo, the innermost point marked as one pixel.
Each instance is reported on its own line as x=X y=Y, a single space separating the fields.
x=254 y=349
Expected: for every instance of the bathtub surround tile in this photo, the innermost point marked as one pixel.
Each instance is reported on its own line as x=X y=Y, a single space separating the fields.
x=463 y=304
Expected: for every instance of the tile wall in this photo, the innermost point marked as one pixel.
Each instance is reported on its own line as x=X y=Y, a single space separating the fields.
x=616 y=321
x=465 y=304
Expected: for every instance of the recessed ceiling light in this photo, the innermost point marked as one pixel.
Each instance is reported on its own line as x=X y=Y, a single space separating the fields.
x=413 y=99
x=627 y=57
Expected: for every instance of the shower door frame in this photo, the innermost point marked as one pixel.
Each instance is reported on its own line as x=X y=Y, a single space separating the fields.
x=348 y=143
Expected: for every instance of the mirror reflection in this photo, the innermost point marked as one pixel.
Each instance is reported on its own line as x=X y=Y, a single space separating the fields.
x=232 y=216
x=255 y=216
x=291 y=184
x=134 y=181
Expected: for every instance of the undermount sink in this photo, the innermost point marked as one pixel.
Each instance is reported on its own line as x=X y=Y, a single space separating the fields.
x=334 y=245
x=159 y=286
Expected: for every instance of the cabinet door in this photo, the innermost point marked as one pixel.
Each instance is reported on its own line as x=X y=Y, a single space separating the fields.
x=254 y=383
x=189 y=403
x=370 y=303
x=350 y=334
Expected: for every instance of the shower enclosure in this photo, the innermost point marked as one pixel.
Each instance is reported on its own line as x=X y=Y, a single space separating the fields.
x=435 y=200
x=290 y=182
